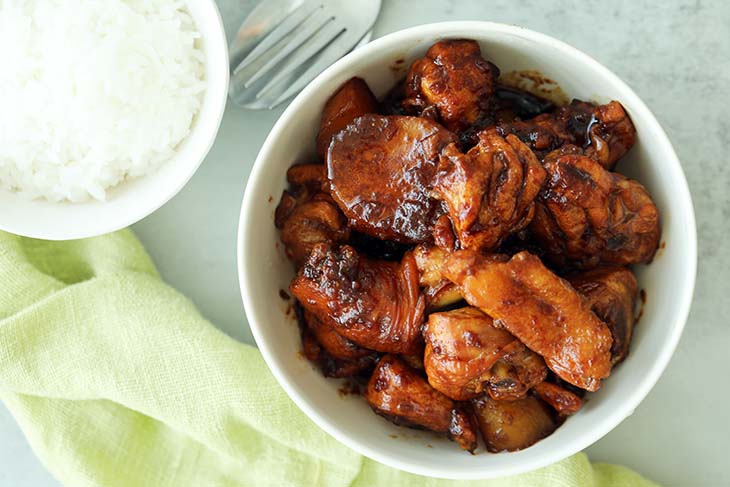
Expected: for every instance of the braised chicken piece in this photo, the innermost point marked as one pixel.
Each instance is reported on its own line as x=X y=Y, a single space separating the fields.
x=604 y=132
x=332 y=366
x=380 y=171
x=305 y=180
x=515 y=374
x=401 y=395
x=311 y=177
x=454 y=78
x=350 y=101
x=376 y=304
x=586 y=215
x=306 y=215
x=512 y=425
x=489 y=191
x=463 y=347
x=331 y=341
x=562 y=400
x=438 y=291
x=611 y=292
x=540 y=309
x=542 y=134
x=610 y=135
x=310 y=223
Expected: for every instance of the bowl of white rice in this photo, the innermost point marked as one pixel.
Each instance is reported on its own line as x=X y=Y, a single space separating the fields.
x=108 y=109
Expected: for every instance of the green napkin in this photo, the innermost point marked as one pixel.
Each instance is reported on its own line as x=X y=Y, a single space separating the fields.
x=116 y=380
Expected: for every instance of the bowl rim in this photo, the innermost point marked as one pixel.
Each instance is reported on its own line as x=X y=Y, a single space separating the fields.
x=632 y=399
x=107 y=225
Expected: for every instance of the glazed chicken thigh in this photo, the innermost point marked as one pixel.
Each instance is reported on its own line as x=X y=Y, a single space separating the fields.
x=586 y=215
x=489 y=191
x=454 y=78
x=611 y=292
x=463 y=347
x=376 y=304
x=398 y=393
x=540 y=309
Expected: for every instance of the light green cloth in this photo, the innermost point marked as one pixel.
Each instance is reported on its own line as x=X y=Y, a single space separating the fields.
x=117 y=380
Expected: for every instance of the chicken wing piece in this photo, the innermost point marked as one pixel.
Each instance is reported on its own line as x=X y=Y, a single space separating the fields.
x=350 y=101
x=611 y=292
x=512 y=425
x=438 y=291
x=310 y=223
x=562 y=400
x=380 y=170
x=586 y=215
x=332 y=366
x=462 y=349
x=455 y=79
x=540 y=309
x=489 y=191
x=401 y=395
x=376 y=304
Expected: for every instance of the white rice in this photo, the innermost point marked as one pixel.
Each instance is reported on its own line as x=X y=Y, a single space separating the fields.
x=93 y=92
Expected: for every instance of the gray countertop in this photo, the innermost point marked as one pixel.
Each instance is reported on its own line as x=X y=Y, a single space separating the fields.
x=675 y=55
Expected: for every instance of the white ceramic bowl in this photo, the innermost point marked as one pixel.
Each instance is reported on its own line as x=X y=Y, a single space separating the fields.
x=133 y=200
x=263 y=268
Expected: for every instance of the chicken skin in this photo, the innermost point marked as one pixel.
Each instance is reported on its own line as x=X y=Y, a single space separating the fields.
x=463 y=347
x=375 y=304
x=562 y=400
x=586 y=215
x=306 y=215
x=438 y=291
x=332 y=366
x=512 y=425
x=610 y=135
x=401 y=395
x=540 y=309
x=454 y=78
x=380 y=170
x=604 y=133
x=489 y=191
x=611 y=292
x=350 y=101
x=312 y=223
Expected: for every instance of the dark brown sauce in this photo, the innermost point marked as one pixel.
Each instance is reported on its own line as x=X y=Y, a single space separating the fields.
x=283 y=295
x=397 y=67
x=271 y=198
x=642 y=298
x=349 y=388
x=536 y=83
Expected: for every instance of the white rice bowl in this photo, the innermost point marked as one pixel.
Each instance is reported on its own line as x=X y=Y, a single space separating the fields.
x=97 y=91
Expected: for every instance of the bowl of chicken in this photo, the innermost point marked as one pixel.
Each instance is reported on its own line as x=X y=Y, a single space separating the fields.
x=465 y=252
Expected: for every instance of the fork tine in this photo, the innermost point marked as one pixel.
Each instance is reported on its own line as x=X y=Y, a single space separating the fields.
x=315 y=44
x=294 y=20
x=303 y=35
x=329 y=55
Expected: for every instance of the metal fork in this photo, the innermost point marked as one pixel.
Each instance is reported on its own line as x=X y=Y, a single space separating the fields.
x=284 y=44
